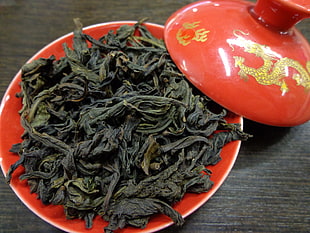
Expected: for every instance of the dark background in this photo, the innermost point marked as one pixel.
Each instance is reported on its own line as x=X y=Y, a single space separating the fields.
x=268 y=189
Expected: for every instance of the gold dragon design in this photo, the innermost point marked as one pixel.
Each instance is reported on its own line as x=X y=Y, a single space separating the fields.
x=274 y=68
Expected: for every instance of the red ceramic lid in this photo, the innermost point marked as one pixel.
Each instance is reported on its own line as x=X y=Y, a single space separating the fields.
x=248 y=58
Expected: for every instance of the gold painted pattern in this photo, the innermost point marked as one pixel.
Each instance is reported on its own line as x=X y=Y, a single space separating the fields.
x=274 y=68
x=190 y=32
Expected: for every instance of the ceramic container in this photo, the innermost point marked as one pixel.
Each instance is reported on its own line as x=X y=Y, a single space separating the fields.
x=248 y=57
x=11 y=130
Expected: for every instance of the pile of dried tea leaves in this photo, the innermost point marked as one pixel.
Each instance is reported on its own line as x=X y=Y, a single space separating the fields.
x=114 y=129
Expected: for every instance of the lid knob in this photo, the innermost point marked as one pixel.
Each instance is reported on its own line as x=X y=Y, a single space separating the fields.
x=281 y=14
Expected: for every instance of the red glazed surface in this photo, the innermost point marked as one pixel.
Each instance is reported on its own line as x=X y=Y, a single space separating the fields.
x=11 y=131
x=243 y=62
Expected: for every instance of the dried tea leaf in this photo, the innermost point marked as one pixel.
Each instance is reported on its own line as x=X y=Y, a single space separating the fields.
x=114 y=129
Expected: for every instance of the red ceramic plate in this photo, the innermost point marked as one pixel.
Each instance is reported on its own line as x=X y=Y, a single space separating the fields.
x=11 y=131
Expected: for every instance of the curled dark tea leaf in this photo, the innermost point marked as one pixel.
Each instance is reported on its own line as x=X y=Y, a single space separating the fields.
x=114 y=129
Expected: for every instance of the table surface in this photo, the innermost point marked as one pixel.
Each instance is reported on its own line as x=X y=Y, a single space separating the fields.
x=268 y=189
